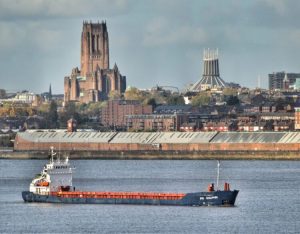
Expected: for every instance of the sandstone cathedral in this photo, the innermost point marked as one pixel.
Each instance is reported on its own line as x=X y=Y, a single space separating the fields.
x=95 y=80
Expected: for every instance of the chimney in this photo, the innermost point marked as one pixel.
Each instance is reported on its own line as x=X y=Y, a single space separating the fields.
x=72 y=125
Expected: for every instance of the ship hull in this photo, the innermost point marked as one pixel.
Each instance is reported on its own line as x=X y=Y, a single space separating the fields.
x=215 y=198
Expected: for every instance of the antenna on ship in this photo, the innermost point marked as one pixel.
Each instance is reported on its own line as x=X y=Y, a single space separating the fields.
x=51 y=152
x=59 y=148
x=218 y=174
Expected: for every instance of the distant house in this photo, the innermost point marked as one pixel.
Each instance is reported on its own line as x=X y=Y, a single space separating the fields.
x=268 y=107
x=155 y=122
x=252 y=126
x=173 y=109
x=222 y=126
x=283 y=126
x=278 y=116
x=250 y=108
x=189 y=127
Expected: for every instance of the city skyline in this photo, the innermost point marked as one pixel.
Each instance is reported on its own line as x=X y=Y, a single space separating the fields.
x=153 y=42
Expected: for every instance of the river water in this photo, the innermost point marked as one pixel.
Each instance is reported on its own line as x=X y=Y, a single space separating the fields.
x=268 y=202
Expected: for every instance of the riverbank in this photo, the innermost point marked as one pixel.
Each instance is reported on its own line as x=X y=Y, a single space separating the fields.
x=162 y=155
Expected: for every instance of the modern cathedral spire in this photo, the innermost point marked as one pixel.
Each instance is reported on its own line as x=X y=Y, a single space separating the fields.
x=211 y=76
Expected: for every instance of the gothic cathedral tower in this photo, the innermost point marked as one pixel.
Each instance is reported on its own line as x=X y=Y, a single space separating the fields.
x=95 y=80
x=94 y=47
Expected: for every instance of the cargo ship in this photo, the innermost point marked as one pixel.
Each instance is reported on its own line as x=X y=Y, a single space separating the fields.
x=54 y=185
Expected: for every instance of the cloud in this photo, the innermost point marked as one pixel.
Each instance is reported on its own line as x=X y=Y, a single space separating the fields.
x=43 y=9
x=274 y=14
x=11 y=35
x=17 y=36
x=160 y=31
x=280 y=6
x=41 y=38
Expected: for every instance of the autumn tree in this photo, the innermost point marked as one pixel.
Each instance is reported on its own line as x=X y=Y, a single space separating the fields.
x=114 y=95
x=133 y=93
x=230 y=91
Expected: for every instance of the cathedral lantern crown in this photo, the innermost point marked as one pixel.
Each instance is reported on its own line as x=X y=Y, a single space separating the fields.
x=211 y=75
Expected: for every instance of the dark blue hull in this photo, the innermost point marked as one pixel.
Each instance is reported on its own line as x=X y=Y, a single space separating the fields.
x=215 y=198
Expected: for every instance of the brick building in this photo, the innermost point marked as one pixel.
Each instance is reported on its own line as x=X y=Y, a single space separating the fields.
x=115 y=112
x=95 y=79
x=252 y=126
x=297 y=118
x=156 y=122
x=221 y=126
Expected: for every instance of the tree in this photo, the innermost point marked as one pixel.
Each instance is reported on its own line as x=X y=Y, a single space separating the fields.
x=175 y=99
x=52 y=115
x=133 y=93
x=114 y=95
x=69 y=112
x=151 y=101
x=233 y=100
x=200 y=99
x=2 y=93
x=230 y=92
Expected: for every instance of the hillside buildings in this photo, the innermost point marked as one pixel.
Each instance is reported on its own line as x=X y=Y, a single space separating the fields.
x=297 y=116
x=114 y=114
x=95 y=80
x=282 y=80
x=156 y=122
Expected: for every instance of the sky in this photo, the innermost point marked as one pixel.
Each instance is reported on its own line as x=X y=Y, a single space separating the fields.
x=153 y=42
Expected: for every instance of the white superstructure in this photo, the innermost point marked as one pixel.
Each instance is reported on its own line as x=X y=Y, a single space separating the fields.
x=56 y=175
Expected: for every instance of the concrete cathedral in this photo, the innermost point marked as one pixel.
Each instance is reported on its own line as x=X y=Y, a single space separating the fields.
x=95 y=79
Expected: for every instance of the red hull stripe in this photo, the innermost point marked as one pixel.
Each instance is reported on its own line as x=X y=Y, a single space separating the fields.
x=120 y=195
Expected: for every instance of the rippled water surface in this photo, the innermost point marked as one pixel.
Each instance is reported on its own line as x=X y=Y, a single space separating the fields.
x=268 y=202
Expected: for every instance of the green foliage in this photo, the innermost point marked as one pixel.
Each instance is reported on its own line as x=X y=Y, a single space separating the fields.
x=15 y=110
x=201 y=99
x=150 y=101
x=159 y=98
x=175 y=100
x=153 y=97
x=43 y=108
x=52 y=117
x=70 y=111
x=134 y=93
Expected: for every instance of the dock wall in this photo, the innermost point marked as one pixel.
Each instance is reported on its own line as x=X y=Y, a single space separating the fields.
x=170 y=143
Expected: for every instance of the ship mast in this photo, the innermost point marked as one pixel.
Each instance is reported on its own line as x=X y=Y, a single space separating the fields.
x=218 y=174
x=51 y=152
